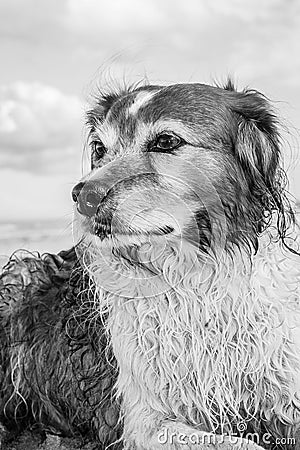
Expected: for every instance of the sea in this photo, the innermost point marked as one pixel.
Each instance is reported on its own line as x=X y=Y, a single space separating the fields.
x=42 y=236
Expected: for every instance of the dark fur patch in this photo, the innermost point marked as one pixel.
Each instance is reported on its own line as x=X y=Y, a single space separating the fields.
x=65 y=369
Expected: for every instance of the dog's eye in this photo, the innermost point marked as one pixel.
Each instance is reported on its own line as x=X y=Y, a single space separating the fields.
x=98 y=150
x=166 y=142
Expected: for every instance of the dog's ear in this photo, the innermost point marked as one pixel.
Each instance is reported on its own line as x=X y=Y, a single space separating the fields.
x=257 y=139
x=257 y=144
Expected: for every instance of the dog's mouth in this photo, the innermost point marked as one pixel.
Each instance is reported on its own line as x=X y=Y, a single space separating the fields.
x=104 y=230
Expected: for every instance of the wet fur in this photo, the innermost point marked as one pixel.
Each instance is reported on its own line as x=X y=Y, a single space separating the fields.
x=203 y=334
x=220 y=344
x=57 y=374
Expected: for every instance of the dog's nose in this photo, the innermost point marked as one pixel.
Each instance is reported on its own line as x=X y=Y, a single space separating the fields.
x=76 y=191
x=87 y=199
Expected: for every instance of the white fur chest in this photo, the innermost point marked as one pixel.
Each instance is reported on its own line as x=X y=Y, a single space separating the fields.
x=221 y=341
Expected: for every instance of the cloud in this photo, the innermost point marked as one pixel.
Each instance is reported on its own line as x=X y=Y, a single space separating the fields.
x=40 y=127
x=93 y=18
x=169 y=41
x=62 y=42
x=249 y=11
x=33 y=20
x=175 y=39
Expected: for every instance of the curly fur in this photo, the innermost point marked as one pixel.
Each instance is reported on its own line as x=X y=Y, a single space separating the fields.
x=216 y=348
x=56 y=372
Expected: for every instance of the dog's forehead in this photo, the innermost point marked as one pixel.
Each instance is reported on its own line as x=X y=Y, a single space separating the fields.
x=188 y=102
x=122 y=117
x=195 y=104
x=191 y=103
x=130 y=104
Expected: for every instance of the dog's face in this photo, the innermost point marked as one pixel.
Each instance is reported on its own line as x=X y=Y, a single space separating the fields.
x=187 y=161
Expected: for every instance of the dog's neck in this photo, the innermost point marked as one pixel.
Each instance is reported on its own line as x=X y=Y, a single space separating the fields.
x=181 y=328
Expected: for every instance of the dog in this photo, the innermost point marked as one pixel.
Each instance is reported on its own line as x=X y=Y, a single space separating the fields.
x=177 y=315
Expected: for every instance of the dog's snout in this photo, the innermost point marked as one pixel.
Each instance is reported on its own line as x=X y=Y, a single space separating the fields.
x=87 y=198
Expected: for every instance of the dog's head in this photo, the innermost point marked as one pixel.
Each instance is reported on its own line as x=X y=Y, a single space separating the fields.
x=188 y=161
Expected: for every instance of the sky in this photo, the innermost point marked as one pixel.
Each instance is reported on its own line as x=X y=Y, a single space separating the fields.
x=56 y=53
